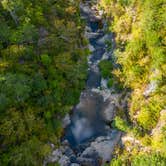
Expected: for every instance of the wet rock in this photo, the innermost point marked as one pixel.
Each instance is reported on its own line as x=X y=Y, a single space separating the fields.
x=105 y=147
x=68 y=152
x=75 y=164
x=104 y=83
x=55 y=156
x=106 y=55
x=86 y=161
x=97 y=103
x=105 y=38
x=62 y=155
x=109 y=112
x=88 y=29
x=73 y=159
x=65 y=143
x=85 y=9
x=66 y=121
x=102 y=147
x=90 y=13
x=90 y=35
x=64 y=161
x=91 y=48
x=90 y=152
x=116 y=99
x=106 y=93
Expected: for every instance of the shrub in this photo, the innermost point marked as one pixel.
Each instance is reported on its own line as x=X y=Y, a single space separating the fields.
x=106 y=68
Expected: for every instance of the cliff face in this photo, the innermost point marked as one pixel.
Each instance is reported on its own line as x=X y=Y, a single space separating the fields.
x=139 y=28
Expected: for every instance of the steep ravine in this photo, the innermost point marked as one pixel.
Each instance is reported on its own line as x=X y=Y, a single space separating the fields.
x=88 y=139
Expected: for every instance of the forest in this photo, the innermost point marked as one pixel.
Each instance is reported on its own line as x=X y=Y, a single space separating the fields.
x=43 y=69
x=140 y=31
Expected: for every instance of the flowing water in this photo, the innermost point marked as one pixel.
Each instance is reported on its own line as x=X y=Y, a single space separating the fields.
x=87 y=120
x=88 y=139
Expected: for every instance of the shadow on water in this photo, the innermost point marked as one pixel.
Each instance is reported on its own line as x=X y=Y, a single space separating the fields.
x=87 y=121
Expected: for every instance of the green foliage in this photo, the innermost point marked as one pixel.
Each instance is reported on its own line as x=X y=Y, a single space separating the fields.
x=116 y=162
x=110 y=82
x=120 y=124
x=147 y=118
x=30 y=153
x=140 y=160
x=45 y=59
x=16 y=88
x=140 y=51
x=106 y=68
x=42 y=72
x=149 y=160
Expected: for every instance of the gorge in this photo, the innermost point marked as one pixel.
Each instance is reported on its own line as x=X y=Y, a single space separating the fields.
x=89 y=138
x=82 y=83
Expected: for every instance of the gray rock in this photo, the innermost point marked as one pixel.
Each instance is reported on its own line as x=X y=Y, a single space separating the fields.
x=75 y=164
x=66 y=121
x=88 y=29
x=101 y=138
x=55 y=156
x=106 y=55
x=104 y=83
x=106 y=37
x=150 y=88
x=73 y=159
x=105 y=148
x=86 y=161
x=64 y=161
x=91 y=48
x=89 y=152
x=109 y=112
x=65 y=143
x=102 y=147
x=61 y=155
x=85 y=8
x=89 y=35
x=68 y=152
x=90 y=13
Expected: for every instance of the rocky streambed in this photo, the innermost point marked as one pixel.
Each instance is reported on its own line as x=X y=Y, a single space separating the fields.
x=89 y=139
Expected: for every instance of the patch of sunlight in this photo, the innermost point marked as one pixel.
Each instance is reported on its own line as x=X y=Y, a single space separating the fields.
x=4 y=64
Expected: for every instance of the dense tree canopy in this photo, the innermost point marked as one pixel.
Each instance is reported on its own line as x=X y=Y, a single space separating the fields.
x=140 y=30
x=42 y=71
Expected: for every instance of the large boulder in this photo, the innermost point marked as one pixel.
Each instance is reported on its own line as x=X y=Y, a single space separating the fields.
x=105 y=38
x=64 y=161
x=63 y=155
x=109 y=112
x=91 y=48
x=102 y=147
x=86 y=161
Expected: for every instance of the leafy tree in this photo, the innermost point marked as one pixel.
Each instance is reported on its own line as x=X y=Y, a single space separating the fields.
x=41 y=58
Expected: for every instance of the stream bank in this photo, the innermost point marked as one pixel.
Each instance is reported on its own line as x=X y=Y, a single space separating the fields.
x=88 y=139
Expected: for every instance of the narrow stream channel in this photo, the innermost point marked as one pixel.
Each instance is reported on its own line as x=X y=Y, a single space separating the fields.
x=87 y=120
x=88 y=139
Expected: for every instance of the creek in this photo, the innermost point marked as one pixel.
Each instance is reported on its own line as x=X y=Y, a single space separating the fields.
x=87 y=120
x=89 y=139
